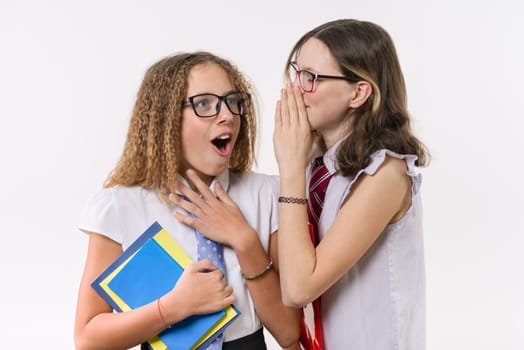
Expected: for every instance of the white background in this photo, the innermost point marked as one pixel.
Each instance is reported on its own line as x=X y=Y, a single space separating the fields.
x=69 y=72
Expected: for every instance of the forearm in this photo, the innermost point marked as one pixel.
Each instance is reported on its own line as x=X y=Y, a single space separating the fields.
x=98 y=327
x=297 y=255
x=120 y=330
x=282 y=322
x=199 y=290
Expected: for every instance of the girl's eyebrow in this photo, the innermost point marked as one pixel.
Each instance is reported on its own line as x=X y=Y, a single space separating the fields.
x=309 y=69
x=212 y=93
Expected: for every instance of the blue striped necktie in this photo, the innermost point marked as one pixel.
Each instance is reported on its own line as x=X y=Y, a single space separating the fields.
x=214 y=251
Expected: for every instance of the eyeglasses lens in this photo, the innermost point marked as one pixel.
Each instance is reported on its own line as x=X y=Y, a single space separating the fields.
x=305 y=78
x=235 y=103
x=209 y=105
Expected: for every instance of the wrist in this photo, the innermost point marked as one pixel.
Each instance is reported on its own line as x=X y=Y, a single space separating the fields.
x=174 y=308
x=244 y=240
x=161 y=314
x=259 y=273
x=293 y=185
x=292 y=200
x=292 y=176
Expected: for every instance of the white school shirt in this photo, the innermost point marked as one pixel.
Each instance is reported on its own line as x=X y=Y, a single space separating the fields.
x=379 y=304
x=123 y=213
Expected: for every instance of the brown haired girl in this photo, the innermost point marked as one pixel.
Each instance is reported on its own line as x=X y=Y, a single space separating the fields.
x=347 y=158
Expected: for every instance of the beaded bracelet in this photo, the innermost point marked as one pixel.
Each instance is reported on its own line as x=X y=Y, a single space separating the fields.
x=293 y=200
x=257 y=275
x=161 y=315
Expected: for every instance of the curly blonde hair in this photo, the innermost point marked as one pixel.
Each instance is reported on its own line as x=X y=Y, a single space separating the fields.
x=152 y=148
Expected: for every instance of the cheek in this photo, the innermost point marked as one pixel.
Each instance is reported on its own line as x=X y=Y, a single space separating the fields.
x=187 y=146
x=320 y=100
x=330 y=100
x=191 y=135
x=316 y=104
x=185 y=136
x=236 y=128
x=326 y=108
x=310 y=99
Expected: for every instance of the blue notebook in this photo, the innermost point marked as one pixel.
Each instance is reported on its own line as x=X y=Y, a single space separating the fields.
x=148 y=269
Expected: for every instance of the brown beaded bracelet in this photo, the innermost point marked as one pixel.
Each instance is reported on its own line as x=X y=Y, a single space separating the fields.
x=293 y=200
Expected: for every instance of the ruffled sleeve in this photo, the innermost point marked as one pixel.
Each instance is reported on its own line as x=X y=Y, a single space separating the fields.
x=379 y=157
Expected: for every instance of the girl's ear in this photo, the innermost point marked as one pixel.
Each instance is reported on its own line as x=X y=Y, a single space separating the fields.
x=363 y=90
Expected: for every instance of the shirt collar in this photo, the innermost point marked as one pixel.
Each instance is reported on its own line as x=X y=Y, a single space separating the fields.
x=222 y=178
x=330 y=156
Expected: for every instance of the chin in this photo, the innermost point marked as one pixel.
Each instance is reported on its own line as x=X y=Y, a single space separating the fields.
x=215 y=171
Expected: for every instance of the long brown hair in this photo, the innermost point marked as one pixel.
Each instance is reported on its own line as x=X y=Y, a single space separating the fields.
x=152 y=148
x=382 y=121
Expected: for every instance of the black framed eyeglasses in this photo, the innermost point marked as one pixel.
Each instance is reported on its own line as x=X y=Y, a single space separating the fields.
x=208 y=105
x=308 y=79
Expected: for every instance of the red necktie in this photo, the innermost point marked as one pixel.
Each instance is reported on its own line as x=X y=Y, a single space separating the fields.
x=311 y=336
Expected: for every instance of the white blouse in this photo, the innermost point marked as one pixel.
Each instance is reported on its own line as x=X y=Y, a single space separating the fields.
x=380 y=302
x=123 y=213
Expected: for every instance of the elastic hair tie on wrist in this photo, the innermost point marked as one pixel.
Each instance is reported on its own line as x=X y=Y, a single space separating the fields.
x=261 y=273
x=161 y=315
x=292 y=200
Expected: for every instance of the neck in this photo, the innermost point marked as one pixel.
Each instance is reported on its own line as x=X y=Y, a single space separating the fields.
x=332 y=135
x=205 y=178
x=330 y=138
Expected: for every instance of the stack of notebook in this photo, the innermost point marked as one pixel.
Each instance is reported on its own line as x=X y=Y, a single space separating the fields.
x=148 y=269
